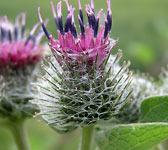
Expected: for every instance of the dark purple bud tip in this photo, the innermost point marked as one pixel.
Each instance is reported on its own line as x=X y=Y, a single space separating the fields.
x=23 y=25
x=68 y=23
x=80 y=11
x=74 y=31
x=91 y=16
x=81 y=15
x=57 y=23
x=109 y=15
x=31 y=37
x=42 y=24
x=3 y=34
x=109 y=19
x=106 y=27
x=54 y=14
x=28 y=39
x=82 y=27
x=10 y=36
x=16 y=29
x=16 y=33
x=96 y=27
x=61 y=25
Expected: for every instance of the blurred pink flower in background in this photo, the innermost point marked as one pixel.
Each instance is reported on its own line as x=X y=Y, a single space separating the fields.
x=20 y=54
x=16 y=49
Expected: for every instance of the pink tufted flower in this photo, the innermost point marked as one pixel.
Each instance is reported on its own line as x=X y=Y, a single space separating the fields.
x=16 y=49
x=82 y=82
x=94 y=42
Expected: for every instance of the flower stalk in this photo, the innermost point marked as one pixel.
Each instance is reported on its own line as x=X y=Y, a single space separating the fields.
x=87 y=136
x=19 y=132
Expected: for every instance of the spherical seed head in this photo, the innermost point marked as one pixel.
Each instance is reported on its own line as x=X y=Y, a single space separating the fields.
x=163 y=84
x=83 y=83
x=143 y=86
x=80 y=96
x=19 y=57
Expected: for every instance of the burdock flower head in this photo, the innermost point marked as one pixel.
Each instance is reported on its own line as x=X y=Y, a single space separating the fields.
x=19 y=55
x=83 y=83
x=143 y=86
x=163 y=84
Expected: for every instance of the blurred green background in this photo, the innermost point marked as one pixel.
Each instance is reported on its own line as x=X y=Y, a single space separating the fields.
x=142 y=29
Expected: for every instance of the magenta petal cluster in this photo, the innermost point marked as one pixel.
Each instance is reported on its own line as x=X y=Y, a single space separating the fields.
x=17 y=49
x=93 y=41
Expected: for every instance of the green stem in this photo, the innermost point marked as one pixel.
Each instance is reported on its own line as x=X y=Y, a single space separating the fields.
x=87 y=134
x=19 y=132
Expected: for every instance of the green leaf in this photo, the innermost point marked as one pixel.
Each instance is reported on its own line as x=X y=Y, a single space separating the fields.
x=154 y=109
x=140 y=136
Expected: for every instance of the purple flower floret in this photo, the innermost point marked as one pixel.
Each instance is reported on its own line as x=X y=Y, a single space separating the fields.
x=93 y=41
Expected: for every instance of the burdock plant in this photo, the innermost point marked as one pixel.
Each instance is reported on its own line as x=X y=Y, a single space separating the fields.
x=143 y=87
x=19 y=56
x=83 y=83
